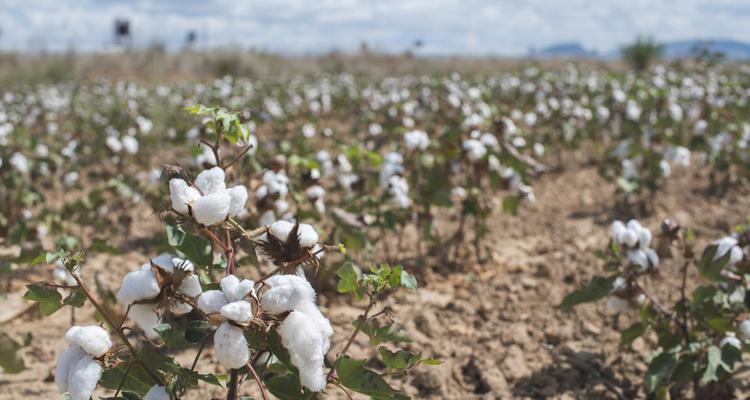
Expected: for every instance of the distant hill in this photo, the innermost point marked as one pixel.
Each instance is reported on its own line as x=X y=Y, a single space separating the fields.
x=733 y=49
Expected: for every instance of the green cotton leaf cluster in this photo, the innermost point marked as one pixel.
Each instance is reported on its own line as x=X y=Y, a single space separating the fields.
x=378 y=279
x=228 y=125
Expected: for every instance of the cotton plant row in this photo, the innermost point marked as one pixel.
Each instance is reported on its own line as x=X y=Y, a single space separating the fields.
x=261 y=320
x=702 y=336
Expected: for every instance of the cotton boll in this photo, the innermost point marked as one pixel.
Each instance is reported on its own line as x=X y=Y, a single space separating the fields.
x=285 y=293
x=234 y=289
x=230 y=346
x=212 y=209
x=211 y=301
x=93 y=339
x=182 y=195
x=307 y=235
x=322 y=323
x=744 y=330
x=191 y=286
x=638 y=258
x=164 y=261
x=180 y=308
x=281 y=229
x=644 y=237
x=183 y=264
x=138 y=285
x=725 y=245
x=211 y=181
x=302 y=338
x=83 y=377
x=730 y=339
x=238 y=195
x=653 y=258
x=130 y=144
x=67 y=360
x=629 y=238
x=145 y=316
x=617 y=304
x=238 y=311
x=616 y=230
x=156 y=393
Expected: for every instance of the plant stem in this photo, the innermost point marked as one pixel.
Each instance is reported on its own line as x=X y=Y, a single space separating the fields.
x=361 y=321
x=257 y=380
x=232 y=385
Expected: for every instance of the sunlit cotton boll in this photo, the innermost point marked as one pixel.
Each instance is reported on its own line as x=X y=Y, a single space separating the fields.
x=77 y=372
x=729 y=245
x=93 y=339
x=212 y=209
x=305 y=339
x=156 y=393
x=744 y=330
x=416 y=140
x=230 y=346
x=475 y=150
x=182 y=195
x=285 y=293
x=19 y=162
x=211 y=181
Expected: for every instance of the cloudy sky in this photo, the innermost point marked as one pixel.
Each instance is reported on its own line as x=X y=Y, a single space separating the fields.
x=507 y=27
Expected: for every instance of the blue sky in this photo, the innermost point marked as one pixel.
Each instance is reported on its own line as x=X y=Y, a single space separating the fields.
x=476 y=27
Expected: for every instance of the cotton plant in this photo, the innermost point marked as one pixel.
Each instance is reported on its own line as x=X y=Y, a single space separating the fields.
x=688 y=329
x=208 y=199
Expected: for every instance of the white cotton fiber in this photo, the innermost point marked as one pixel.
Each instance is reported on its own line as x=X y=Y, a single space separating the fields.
x=182 y=195
x=302 y=338
x=211 y=301
x=184 y=265
x=286 y=292
x=238 y=311
x=307 y=235
x=92 y=339
x=163 y=260
x=138 y=285
x=231 y=346
x=65 y=362
x=322 y=323
x=212 y=209
x=146 y=318
x=180 y=308
x=280 y=229
x=234 y=289
x=156 y=393
x=211 y=181
x=83 y=377
x=191 y=286
x=238 y=195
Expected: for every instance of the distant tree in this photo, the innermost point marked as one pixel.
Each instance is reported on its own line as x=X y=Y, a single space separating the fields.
x=642 y=52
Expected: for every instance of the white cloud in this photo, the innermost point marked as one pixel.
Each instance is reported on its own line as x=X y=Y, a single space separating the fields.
x=445 y=26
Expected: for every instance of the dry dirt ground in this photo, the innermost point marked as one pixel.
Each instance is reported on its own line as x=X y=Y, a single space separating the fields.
x=495 y=325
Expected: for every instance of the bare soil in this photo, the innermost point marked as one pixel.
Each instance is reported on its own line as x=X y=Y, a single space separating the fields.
x=496 y=325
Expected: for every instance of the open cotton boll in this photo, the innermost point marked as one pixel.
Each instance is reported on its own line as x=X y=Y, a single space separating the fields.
x=92 y=339
x=211 y=181
x=191 y=286
x=230 y=346
x=281 y=229
x=725 y=245
x=616 y=230
x=238 y=311
x=83 y=377
x=212 y=209
x=307 y=235
x=156 y=393
x=67 y=360
x=182 y=195
x=238 y=195
x=180 y=308
x=234 y=289
x=145 y=316
x=639 y=258
x=323 y=325
x=286 y=293
x=138 y=285
x=302 y=338
x=744 y=329
x=644 y=237
x=211 y=301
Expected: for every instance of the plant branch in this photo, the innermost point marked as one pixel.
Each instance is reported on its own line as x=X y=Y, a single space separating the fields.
x=257 y=380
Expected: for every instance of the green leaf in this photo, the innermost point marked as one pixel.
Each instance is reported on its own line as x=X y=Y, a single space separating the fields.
x=349 y=274
x=399 y=359
x=195 y=248
x=597 y=288
x=352 y=374
x=659 y=371
x=76 y=298
x=137 y=380
x=285 y=387
x=10 y=362
x=633 y=332
x=49 y=298
x=380 y=334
